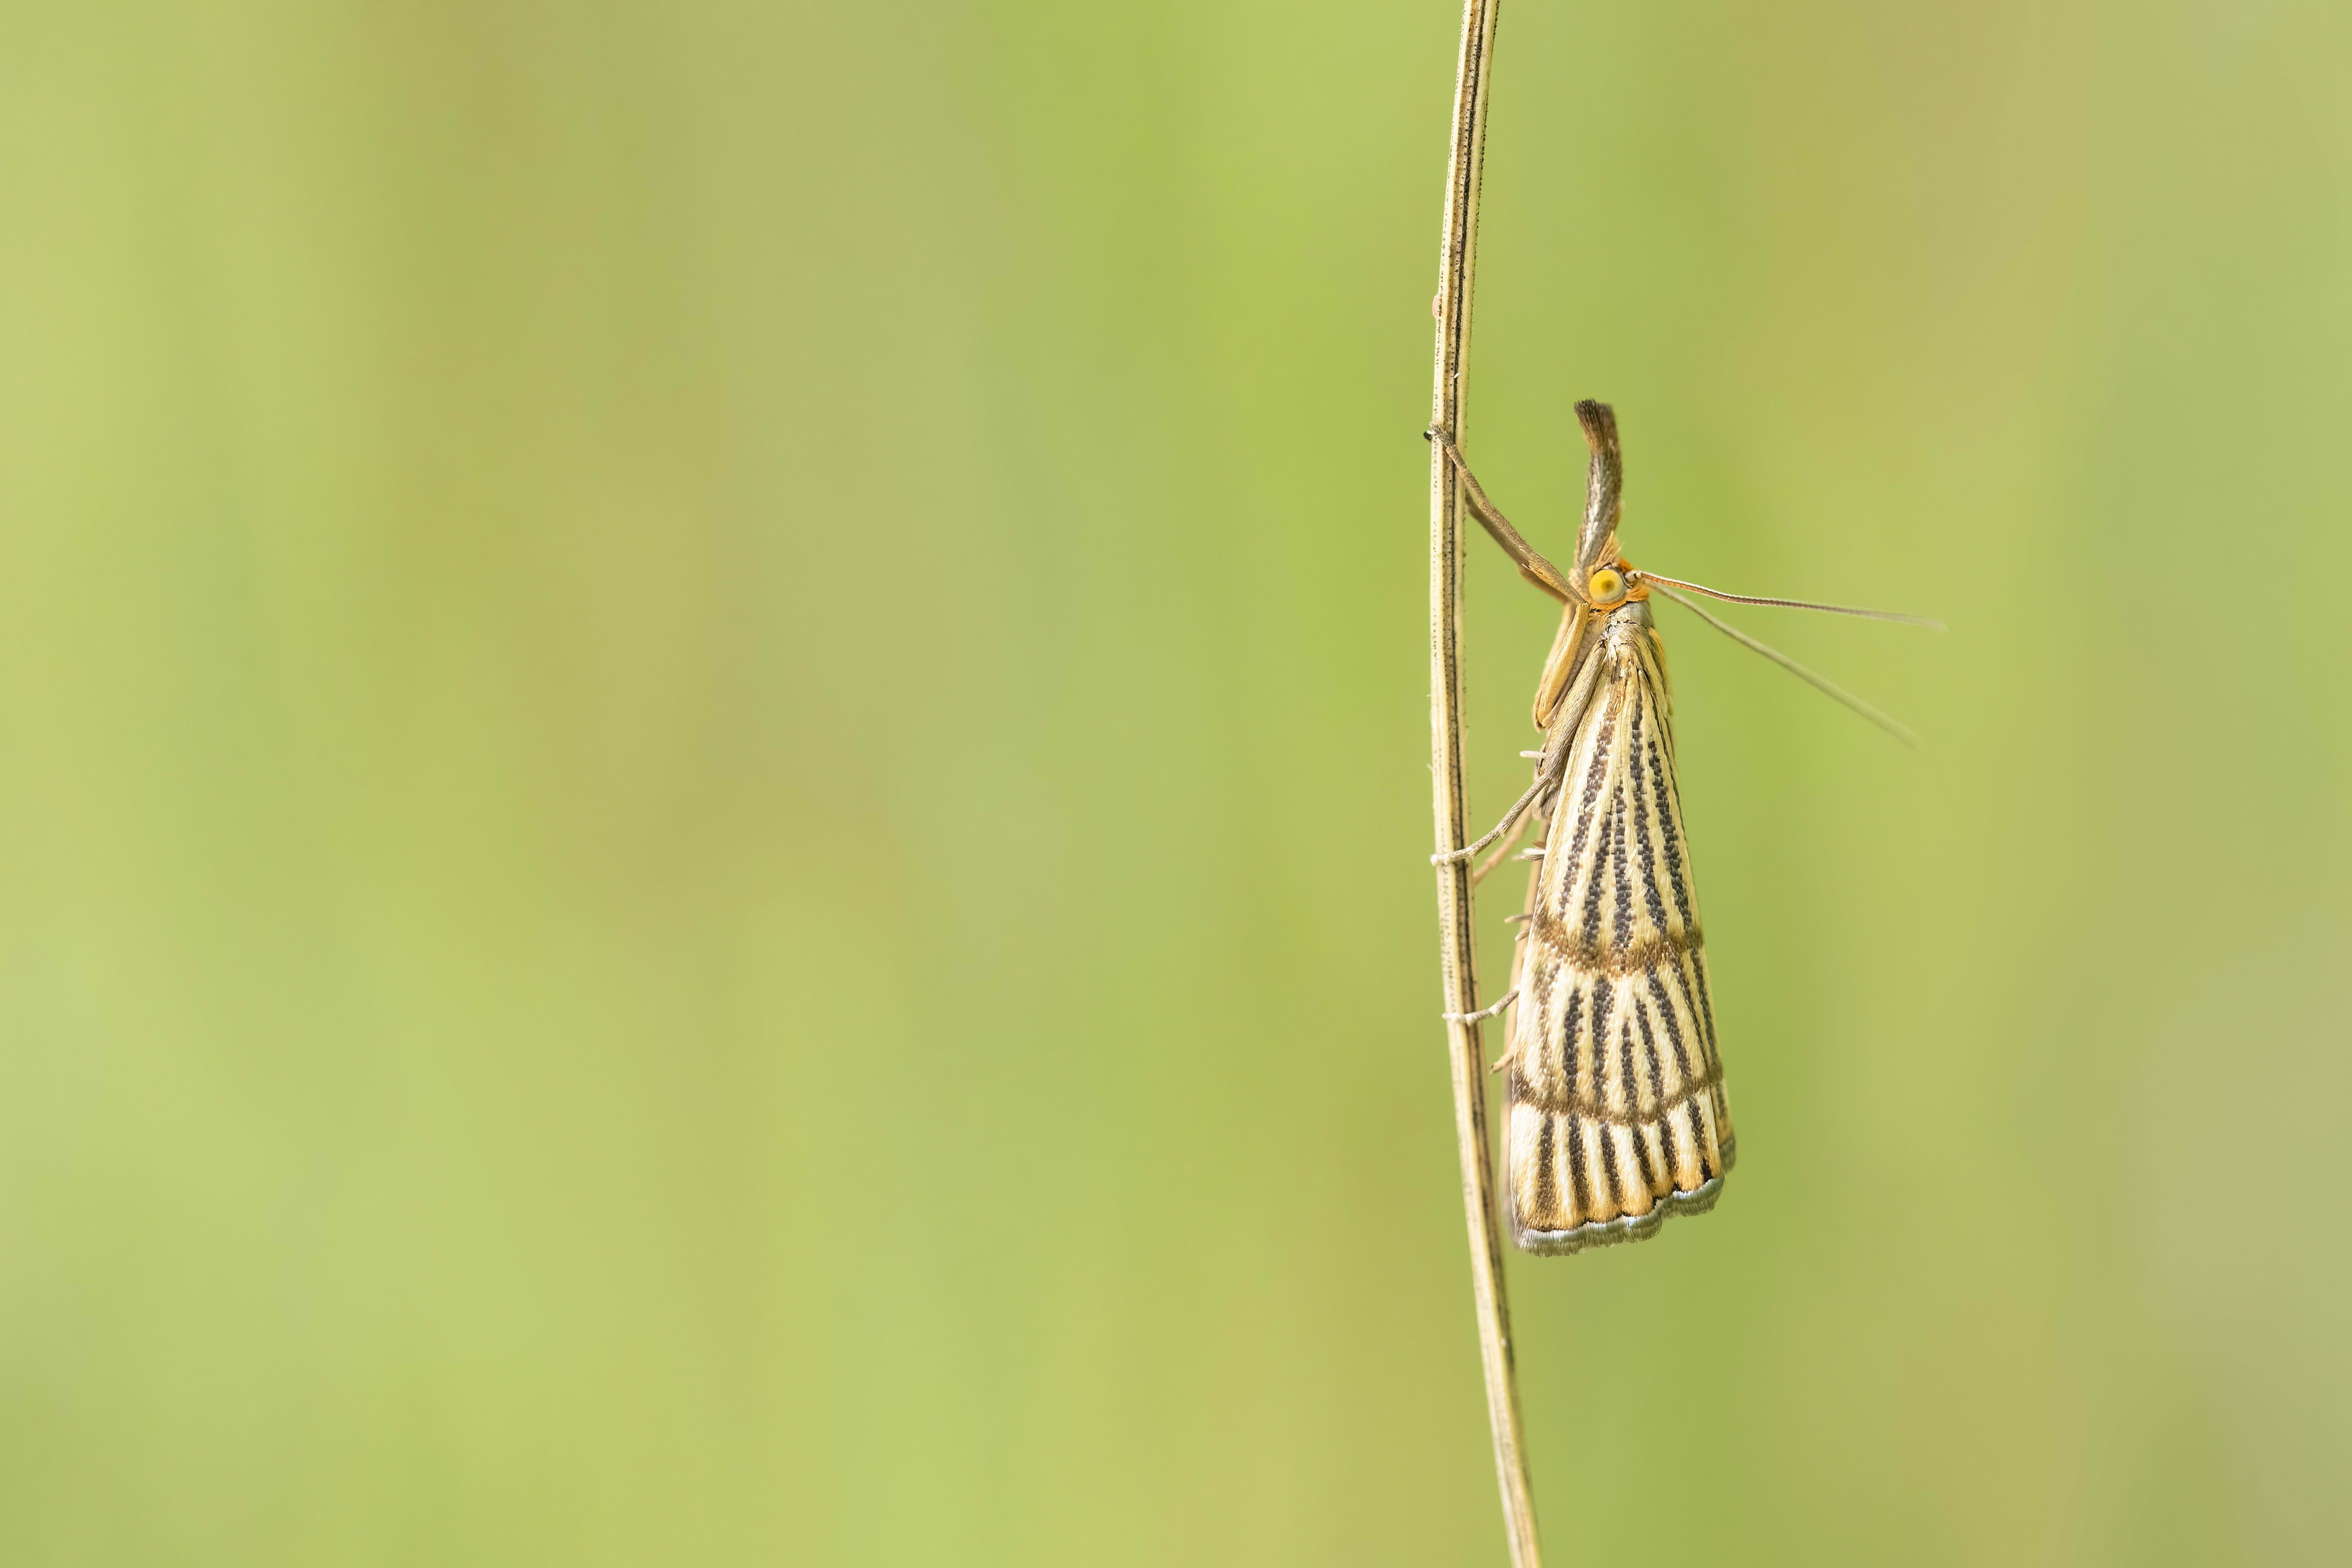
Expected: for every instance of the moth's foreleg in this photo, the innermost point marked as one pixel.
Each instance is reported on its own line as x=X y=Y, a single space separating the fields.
x=1531 y=564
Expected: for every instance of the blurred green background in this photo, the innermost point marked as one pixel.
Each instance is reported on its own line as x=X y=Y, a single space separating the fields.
x=715 y=796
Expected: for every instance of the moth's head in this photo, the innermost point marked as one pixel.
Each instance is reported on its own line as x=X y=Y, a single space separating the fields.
x=1613 y=586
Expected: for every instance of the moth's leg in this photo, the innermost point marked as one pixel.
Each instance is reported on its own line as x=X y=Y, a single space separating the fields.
x=1511 y=819
x=1525 y=920
x=1512 y=1054
x=1518 y=964
x=1539 y=814
x=1551 y=762
x=1484 y=1013
x=1480 y=872
x=1531 y=564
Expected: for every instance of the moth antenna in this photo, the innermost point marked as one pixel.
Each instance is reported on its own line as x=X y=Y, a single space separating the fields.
x=1819 y=683
x=1897 y=616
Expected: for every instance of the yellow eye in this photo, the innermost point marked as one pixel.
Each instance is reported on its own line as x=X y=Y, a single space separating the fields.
x=1607 y=587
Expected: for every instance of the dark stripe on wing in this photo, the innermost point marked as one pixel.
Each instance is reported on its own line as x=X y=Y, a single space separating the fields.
x=1666 y=1016
x=1621 y=870
x=1547 y=1179
x=1705 y=1005
x=1625 y=1080
x=1587 y=932
x=1568 y=1031
x=1650 y=1053
x=1587 y=807
x=1620 y=1186
x=1578 y=1196
x=1643 y=809
x=1670 y=833
x=1587 y=1083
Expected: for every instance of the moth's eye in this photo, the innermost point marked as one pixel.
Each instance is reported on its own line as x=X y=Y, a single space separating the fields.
x=1606 y=587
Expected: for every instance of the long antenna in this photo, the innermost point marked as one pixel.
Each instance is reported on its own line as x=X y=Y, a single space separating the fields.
x=1928 y=621
x=1819 y=683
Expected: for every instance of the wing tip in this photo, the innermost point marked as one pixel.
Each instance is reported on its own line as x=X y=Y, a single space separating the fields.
x=1624 y=1228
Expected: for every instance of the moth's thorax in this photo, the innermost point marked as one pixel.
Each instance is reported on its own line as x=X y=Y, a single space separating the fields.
x=1622 y=632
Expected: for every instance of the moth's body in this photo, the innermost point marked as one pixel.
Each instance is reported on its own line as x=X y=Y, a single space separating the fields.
x=1617 y=1115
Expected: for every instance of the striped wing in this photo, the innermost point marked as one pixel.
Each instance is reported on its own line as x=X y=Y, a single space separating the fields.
x=1617 y=1113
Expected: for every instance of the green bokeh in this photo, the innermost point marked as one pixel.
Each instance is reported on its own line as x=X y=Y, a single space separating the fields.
x=714 y=778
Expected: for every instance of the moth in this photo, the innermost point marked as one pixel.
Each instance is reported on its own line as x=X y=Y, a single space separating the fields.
x=1617 y=1114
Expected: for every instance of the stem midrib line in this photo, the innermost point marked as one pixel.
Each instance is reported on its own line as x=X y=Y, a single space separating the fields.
x=1457 y=255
